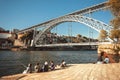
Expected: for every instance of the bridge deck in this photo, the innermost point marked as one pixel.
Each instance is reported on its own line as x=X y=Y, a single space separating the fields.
x=70 y=44
x=75 y=72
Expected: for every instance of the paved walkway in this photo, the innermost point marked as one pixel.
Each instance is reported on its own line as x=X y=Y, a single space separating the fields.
x=75 y=72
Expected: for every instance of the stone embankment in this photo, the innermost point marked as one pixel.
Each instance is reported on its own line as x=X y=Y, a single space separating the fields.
x=111 y=50
x=74 y=72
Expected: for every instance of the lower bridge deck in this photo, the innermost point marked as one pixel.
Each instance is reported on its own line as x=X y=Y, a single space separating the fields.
x=65 y=48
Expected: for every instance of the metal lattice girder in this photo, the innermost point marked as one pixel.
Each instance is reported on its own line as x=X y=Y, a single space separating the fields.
x=93 y=23
x=88 y=10
x=71 y=17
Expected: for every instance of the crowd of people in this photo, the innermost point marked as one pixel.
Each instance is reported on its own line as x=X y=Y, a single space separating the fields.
x=45 y=67
x=102 y=59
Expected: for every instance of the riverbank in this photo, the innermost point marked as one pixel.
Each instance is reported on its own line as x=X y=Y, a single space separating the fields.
x=55 y=48
x=74 y=72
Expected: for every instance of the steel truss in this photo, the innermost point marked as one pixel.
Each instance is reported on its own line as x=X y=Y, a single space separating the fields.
x=90 y=22
x=72 y=17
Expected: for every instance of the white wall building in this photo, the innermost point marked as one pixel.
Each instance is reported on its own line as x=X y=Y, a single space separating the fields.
x=5 y=35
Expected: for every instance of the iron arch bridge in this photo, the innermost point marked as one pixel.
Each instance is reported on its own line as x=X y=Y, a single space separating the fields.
x=93 y=23
x=78 y=16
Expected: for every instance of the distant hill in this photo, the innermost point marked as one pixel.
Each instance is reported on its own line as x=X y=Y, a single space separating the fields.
x=1 y=29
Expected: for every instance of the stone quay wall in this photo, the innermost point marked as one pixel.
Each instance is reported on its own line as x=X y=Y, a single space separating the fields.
x=112 y=50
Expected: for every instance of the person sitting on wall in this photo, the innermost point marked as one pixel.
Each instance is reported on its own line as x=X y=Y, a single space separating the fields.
x=106 y=60
x=45 y=67
x=28 y=69
x=37 y=68
x=52 y=65
x=99 y=62
x=63 y=64
x=100 y=58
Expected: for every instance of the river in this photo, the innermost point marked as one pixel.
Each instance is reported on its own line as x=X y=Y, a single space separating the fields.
x=15 y=62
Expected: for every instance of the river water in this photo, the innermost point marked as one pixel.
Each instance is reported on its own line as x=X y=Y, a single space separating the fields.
x=15 y=62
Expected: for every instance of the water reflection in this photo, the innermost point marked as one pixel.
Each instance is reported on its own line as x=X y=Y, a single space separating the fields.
x=15 y=62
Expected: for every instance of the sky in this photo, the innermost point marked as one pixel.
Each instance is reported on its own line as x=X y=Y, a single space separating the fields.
x=21 y=14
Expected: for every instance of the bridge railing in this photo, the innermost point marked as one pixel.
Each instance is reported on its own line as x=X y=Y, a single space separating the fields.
x=68 y=44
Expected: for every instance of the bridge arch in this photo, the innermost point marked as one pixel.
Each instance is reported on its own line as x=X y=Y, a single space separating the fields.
x=90 y=22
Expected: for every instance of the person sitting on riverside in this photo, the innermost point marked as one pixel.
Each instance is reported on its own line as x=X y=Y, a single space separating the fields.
x=99 y=61
x=63 y=64
x=106 y=60
x=100 y=58
x=52 y=65
x=28 y=69
x=45 y=67
x=37 y=68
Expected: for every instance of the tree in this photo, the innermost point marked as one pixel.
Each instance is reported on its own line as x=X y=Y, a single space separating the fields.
x=79 y=38
x=115 y=35
x=115 y=9
x=115 y=23
x=103 y=35
x=115 y=32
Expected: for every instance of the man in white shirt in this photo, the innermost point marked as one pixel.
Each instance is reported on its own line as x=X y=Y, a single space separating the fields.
x=106 y=60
